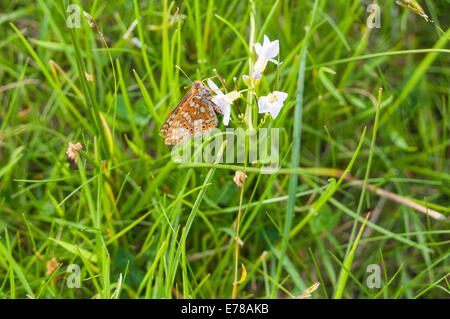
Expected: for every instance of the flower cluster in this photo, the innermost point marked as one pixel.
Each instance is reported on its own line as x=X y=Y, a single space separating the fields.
x=273 y=102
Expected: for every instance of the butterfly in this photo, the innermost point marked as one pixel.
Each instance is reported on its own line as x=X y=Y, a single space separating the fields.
x=194 y=116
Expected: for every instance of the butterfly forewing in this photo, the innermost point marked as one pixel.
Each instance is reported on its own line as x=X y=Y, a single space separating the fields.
x=169 y=121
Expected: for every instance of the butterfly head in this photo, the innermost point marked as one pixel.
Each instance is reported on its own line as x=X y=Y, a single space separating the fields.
x=203 y=90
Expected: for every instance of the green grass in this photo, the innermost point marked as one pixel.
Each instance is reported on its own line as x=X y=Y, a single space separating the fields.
x=131 y=218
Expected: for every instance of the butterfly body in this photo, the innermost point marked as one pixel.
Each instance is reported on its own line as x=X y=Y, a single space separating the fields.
x=194 y=115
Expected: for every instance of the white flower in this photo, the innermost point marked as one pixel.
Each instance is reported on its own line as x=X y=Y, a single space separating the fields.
x=266 y=53
x=272 y=103
x=223 y=101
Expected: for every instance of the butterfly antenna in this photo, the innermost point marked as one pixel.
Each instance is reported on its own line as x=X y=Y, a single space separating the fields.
x=184 y=73
x=211 y=77
x=203 y=81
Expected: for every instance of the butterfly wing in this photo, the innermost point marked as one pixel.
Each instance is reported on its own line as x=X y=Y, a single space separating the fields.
x=203 y=116
x=176 y=111
x=193 y=116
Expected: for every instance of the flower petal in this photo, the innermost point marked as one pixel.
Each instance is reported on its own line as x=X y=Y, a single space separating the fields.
x=223 y=102
x=214 y=87
x=260 y=64
x=258 y=49
x=276 y=107
x=233 y=95
x=272 y=49
x=266 y=42
x=275 y=61
x=281 y=96
x=226 y=115
x=263 y=105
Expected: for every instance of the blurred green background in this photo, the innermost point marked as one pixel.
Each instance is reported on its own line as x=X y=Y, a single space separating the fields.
x=141 y=226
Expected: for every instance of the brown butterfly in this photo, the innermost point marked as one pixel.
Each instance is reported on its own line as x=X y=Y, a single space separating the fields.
x=193 y=116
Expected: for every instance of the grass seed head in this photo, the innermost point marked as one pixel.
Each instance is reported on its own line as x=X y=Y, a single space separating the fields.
x=413 y=6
